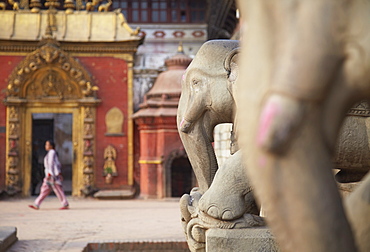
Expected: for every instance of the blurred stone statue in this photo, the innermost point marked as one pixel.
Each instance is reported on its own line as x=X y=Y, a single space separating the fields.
x=303 y=65
x=224 y=198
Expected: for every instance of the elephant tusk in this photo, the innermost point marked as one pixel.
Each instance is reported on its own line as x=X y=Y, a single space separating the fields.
x=185 y=125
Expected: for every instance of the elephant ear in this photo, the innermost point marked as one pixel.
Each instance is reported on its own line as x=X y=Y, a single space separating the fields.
x=231 y=66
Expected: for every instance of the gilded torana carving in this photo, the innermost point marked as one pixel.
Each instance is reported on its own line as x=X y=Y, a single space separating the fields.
x=58 y=75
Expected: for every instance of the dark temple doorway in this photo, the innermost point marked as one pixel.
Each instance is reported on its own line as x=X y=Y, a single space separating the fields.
x=57 y=127
x=182 y=177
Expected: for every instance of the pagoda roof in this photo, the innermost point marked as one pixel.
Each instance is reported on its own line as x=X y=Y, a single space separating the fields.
x=163 y=98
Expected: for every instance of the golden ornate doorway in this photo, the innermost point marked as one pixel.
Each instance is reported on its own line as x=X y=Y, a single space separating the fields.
x=29 y=147
x=48 y=80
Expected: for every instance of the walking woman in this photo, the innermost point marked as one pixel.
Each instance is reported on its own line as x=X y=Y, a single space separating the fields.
x=53 y=178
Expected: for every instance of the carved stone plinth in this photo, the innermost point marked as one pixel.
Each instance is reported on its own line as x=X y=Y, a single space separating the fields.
x=353 y=150
x=246 y=240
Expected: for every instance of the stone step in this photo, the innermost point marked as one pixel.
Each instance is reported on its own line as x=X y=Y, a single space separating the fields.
x=8 y=236
x=257 y=239
x=138 y=246
x=114 y=194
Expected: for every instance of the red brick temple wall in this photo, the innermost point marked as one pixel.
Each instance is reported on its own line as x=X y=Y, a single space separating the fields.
x=110 y=75
x=158 y=139
x=7 y=64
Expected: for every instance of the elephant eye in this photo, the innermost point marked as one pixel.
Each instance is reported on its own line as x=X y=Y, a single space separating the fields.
x=195 y=82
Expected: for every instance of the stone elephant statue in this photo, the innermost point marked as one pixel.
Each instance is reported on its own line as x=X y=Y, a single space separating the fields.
x=304 y=64
x=206 y=100
x=224 y=198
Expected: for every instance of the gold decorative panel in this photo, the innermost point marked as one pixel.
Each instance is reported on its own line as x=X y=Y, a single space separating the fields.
x=13 y=171
x=88 y=152
x=114 y=121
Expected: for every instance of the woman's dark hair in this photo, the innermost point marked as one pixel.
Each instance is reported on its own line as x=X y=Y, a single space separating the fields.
x=51 y=142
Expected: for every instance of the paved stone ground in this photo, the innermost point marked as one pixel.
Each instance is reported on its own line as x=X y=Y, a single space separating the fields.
x=50 y=229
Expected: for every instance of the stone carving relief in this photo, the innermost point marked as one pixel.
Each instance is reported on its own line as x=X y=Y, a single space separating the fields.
x=88 y=145
x=110 y=169
x=88 y=175
x=51 y=83
x=13 y=129
x=352 y=155
x=13 y=169
x=88 y=130
x=88 y=154
x=110 y=155
x=88 y=114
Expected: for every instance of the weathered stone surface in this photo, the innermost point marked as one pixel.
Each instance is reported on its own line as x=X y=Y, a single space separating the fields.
x=224 y=198
x=247 y=240
x=138 y=246
x=292 y=113
x=8 y=236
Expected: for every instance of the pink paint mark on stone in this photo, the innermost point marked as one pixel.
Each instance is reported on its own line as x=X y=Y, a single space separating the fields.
x=183 y=77
x=262 y=162
x=182 y=122
x=268 y=114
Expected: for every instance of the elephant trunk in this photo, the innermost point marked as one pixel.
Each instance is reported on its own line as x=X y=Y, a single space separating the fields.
x=197 y=142
x=195 y=110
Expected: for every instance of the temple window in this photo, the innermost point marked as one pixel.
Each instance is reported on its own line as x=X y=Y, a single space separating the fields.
x=163 y=11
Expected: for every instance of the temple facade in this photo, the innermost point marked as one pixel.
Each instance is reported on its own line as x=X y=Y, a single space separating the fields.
x=67 y=77
x=76 y=72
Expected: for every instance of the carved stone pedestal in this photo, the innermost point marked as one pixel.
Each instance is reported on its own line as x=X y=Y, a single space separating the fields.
x=247 y=240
